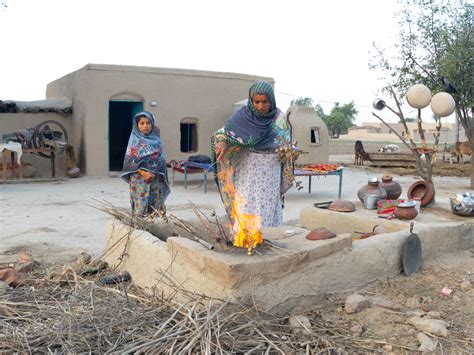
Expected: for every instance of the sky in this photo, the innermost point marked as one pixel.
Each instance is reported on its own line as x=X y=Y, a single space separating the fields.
x=316 y=49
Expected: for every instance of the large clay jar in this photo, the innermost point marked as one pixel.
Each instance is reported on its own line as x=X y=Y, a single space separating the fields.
x=393 y=188
x=371 y=191
x=406 y=211
x=423 y=191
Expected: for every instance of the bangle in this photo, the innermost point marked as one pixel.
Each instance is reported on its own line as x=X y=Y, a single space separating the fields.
x=220 y=138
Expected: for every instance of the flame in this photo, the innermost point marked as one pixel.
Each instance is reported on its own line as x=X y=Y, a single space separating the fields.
x=246 y=226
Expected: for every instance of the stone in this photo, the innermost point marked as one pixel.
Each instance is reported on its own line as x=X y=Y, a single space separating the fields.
x=300 y=325
x=465 y=285
x=10 y=276
x=83 y=258
x=24 y=264
x=434 y=314
x=416 y=313
x=356 y=303
x=356 y=329
x=4 y=288
x=432 y=326
x=387 y=347
x=426 y=343
x=384 y=303
x=413 y=302
x=426 y=299
x=456 y=298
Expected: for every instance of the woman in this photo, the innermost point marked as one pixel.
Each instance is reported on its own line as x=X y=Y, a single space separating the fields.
x=254 y=164
x=144 y=167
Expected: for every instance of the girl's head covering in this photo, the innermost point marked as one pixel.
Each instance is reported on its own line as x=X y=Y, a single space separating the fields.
x=150 y=117
x=262 y=87
x=144 y=151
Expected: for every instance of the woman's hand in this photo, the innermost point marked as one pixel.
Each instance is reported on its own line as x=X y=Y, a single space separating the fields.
x=147 y=176
x=220 y=148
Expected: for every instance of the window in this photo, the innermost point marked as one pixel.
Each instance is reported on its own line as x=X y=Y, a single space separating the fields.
x=315 y=135
x=189 y=135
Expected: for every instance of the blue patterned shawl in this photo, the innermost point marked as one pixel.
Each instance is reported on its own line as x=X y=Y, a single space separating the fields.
x=248 y=127
x=144 y=151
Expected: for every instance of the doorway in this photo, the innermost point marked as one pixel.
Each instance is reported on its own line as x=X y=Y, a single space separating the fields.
x=120 y=127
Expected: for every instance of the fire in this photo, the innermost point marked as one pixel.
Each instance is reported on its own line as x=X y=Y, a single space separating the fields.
x=246 y=226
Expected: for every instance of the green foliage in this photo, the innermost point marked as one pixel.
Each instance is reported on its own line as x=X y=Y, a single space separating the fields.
x=302 y=101
x=436 y=41
x=338 y=121
x=341 y=118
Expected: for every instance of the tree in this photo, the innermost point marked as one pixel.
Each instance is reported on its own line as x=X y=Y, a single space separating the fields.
x=435 y=48
x=340 y=118
x=302 y=101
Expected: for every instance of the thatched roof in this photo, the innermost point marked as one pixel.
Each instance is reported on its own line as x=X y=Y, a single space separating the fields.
x=62 y=106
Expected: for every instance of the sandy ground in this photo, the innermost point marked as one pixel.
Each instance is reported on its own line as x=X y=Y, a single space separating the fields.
x=56 y=220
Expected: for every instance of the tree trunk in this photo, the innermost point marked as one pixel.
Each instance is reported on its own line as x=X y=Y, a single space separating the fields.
x=471 y=142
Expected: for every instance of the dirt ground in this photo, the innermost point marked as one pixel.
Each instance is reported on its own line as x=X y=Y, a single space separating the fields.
x=56 y=221
x=418 y=294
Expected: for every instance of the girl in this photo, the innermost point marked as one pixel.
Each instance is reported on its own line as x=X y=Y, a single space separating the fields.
x=144 y=167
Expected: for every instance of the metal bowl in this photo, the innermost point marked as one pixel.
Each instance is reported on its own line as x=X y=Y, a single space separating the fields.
x=462 y=204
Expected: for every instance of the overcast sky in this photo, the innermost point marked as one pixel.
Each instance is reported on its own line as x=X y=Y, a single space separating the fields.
x=317 y=49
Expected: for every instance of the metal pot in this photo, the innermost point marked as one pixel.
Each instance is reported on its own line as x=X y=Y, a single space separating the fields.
x=462 y=204
x=371 y=189
x=370 y=202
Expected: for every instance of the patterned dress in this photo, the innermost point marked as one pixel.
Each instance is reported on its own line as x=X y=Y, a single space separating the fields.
x=257 y=180
x=145 y=197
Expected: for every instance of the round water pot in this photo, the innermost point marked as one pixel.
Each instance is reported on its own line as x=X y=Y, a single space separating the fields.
x=421 y=190
x=406 y=211
x=393 y=188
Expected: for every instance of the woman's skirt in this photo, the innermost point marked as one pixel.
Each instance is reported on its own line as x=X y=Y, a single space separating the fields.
x=257 y=183
x=146 y=197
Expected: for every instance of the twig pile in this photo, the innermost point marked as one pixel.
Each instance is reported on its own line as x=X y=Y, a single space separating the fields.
x=71 y=314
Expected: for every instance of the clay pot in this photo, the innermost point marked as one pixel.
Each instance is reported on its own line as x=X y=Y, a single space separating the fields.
x=406 y=211
x=371 y=193
x=393 y=188
x=421 y=190
x=320 y=234
x=342 y=206
x=74 y=172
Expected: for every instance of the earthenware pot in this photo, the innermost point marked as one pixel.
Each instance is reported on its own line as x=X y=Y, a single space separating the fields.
x=320 y=234
x=342 y=206
x=373 y=190
x=393 y=188
x=406 y=211
x=422 y=190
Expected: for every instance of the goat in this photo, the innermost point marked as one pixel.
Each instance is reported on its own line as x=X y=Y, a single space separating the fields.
x=461 y=148
x=360 y=153
x=390 y=148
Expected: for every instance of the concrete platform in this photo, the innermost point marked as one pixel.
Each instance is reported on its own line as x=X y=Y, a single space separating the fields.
x=271 y=278
x=295 y=275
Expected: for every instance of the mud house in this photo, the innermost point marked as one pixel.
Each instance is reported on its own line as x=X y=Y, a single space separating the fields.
x=188 y=104
x=311 y=134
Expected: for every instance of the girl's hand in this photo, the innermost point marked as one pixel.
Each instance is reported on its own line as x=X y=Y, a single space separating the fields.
x=147 y=176
x=220 y=148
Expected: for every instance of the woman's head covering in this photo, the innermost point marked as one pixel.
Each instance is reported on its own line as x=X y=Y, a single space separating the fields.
x=262 y=87
x=250 y=128
x=144 y=151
